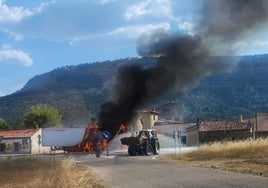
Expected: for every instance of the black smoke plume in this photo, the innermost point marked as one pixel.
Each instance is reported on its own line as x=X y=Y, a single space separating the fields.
x=182 y=59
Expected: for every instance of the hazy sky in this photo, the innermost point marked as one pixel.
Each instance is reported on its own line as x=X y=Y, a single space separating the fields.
x=37 y=36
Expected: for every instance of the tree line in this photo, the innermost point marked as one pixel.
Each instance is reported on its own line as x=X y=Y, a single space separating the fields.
x=37 y=116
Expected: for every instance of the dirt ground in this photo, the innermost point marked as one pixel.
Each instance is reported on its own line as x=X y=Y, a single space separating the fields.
x=234 y=165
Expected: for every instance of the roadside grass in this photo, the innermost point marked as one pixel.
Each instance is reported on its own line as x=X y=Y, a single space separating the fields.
x=46 y=172
x=247 y=156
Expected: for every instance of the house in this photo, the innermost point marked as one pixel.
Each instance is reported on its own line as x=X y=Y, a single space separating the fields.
x=171 y=111
x=144 y=119
x=219 y=130
x=188 y=132
x=261 y=124
x=24 y=141
x=149 y=119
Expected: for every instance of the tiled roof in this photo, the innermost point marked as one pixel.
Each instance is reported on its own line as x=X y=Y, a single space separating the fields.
x=171 y=126
x=147 y=111
x=161 y=122
x=222 y=125
x=18 y=133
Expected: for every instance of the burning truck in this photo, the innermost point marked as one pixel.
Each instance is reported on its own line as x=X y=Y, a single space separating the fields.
x=75 y=139
x=91 y=139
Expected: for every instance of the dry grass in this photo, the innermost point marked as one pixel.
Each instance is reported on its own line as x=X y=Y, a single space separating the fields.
x=248 y=156
x=44 y=172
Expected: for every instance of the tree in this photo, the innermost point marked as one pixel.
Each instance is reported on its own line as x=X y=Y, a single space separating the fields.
x=3 y=125
x=41 y=116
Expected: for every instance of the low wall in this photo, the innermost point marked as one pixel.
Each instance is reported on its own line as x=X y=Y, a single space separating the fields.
x=214 y=136
x=262 y=134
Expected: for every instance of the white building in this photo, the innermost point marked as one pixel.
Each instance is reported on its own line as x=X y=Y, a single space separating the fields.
x=25 y=141
x=144 y=119
x=148 y=119
x=261 y=124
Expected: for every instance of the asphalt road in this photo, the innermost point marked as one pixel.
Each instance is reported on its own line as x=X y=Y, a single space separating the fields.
x=123 y=171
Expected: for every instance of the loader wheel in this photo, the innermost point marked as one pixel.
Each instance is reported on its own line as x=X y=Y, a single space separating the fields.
x=132 y=150
x=156 y=148
x=148 y=149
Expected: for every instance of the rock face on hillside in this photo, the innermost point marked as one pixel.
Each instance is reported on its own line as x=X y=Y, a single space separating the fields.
x=78 y=91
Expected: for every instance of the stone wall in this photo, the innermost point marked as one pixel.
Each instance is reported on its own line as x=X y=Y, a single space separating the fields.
x=222 y=135
x=262 y=134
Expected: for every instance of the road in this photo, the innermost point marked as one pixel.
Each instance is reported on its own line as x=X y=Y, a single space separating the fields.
x=123 y=171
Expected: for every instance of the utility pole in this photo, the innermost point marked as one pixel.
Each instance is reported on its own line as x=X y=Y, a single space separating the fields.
x=176 y=138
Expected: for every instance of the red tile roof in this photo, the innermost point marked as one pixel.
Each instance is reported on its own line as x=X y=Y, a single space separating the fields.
x=222 y=125
x=18 y=133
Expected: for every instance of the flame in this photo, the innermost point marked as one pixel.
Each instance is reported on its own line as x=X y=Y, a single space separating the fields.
x=122 y=129
x=89 y=141
x=104 y=144
x=91 y=136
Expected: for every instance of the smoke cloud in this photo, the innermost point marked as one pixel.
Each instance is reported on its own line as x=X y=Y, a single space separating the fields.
x=182 y=59
x=227 y=21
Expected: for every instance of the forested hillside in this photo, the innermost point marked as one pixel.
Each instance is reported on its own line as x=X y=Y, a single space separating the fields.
x=244 y=90
x=78 y=91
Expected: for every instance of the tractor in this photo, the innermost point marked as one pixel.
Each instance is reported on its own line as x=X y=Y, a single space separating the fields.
x=145 y=142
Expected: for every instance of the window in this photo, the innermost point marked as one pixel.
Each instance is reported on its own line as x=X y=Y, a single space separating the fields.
x=16 y=146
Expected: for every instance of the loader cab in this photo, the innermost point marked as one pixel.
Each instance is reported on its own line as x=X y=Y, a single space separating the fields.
x=149 y=134
x=146 y=143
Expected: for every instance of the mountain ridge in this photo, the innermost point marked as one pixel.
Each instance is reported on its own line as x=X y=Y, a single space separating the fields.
x=79 y=91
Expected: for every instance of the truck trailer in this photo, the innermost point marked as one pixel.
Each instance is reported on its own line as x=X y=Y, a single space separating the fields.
x=74 y=139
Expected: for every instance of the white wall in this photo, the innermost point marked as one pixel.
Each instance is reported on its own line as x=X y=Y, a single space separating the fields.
x=23 y=147
x=37 y=148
